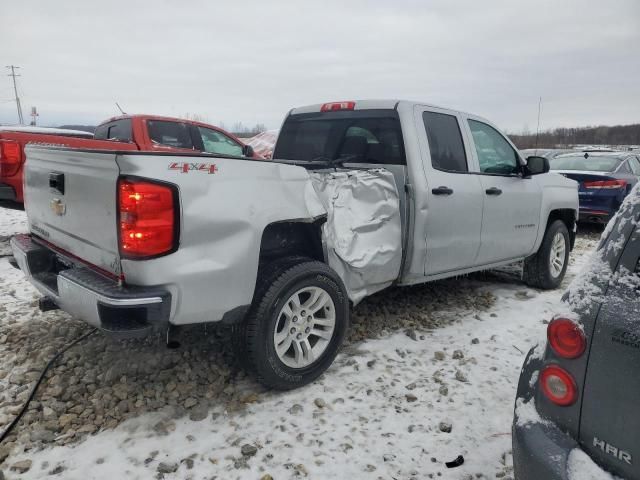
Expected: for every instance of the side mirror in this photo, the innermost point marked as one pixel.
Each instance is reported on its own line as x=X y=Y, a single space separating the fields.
x=247 y=151
x=537 y=165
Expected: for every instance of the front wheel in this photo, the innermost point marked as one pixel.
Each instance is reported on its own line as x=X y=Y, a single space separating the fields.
x=547 y=267
x=296 y=324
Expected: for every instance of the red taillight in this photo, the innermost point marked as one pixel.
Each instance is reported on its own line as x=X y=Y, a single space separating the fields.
x=10 y=157
x=335 y=106
x=558 y=385
x=566 y=338
x=606 y=184
x=147 y=218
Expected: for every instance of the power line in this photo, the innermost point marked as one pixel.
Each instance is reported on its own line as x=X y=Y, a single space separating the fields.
x=15 y=91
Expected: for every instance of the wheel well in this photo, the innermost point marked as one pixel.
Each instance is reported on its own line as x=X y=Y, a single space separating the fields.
x=284 y=239
x=568 y=217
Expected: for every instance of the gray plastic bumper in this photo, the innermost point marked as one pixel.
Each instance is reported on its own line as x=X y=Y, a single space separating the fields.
x=91 y=296
x=541 y=451
x=7 y=192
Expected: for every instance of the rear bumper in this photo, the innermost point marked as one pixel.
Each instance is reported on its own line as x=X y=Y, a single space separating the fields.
x=123 y=312
x=595 y=216
x=541 y=451
x=600 y=207
x=7 y=192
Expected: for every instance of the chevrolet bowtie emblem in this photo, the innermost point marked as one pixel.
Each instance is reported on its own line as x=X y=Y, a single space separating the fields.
x=58 y=207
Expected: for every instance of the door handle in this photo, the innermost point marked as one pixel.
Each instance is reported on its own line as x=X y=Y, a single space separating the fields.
x=442 y=191
x=493 y=191
x=56 y=182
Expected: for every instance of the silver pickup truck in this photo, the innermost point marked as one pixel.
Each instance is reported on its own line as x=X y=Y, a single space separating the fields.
x=360 y=196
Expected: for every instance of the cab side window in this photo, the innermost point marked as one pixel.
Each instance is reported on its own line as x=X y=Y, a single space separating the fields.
x=445 y=142
x=495 y=154
x=634 y=163
x=170 y=134
x=217 y=142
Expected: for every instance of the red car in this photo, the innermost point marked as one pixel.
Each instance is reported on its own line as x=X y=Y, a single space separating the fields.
x=127 y=132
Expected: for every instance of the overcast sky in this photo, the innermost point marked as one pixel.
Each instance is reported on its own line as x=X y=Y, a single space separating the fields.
x=251 y=61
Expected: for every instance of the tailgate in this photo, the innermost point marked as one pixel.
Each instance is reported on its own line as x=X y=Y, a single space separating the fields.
x=70 y=199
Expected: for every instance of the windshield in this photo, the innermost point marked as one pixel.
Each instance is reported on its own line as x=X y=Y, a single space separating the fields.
x=592 y=163
x=363 y=136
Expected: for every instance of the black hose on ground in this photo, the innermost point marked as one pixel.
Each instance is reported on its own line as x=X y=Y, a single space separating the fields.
x=15 y=421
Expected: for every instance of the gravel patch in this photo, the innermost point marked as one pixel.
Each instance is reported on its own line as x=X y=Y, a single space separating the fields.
x=102 y=382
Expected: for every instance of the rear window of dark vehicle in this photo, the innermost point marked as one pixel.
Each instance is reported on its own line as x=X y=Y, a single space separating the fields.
x=445 y=142
x=593 y=163
x=119 y=130
x=172 y=134
x=361 y=136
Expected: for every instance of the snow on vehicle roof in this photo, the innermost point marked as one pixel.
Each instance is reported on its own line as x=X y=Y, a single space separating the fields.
x=45 y=131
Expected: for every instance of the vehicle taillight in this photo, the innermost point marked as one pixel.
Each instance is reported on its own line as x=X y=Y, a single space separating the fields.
x=335 y=106
x=566 y=338
x=148 y=220
x=606 y=184
x=10 y=157
x=558 y=385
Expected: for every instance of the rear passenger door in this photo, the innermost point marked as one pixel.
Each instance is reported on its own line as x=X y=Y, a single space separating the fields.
x=454 y=215
x=511 y=203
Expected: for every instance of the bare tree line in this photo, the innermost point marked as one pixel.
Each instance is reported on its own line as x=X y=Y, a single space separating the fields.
x=567 y=137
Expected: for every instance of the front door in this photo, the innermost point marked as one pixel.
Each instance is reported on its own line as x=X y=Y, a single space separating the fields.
x=454 y=213
x=511 y=212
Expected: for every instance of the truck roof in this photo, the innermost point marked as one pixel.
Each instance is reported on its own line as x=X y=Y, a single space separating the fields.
x=365 y=104
x=142 y=116
x=45 y=131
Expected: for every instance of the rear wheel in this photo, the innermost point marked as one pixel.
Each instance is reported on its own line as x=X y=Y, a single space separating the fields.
x=547 y=267
x=296 y=324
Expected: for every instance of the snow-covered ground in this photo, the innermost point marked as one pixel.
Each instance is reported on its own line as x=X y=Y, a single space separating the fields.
x=393 y=406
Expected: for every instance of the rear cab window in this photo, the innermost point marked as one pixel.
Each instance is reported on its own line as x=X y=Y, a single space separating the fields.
x=170 y=134
x=351 y=136
x=117 y=130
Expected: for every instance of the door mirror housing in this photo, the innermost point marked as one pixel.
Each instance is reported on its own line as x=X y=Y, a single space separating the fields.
x=247 y=151
x=537 y=165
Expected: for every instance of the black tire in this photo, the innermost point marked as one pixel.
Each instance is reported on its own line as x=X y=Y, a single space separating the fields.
x=253 y=338
x=537 y=268
x=268 y=272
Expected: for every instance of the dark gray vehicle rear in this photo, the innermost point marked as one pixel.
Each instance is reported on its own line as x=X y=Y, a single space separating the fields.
x=603 y=420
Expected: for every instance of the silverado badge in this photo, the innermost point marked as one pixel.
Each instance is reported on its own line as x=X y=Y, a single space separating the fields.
x=58 y=207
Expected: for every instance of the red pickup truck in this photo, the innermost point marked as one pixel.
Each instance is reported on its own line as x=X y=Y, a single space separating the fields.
x=127 y=132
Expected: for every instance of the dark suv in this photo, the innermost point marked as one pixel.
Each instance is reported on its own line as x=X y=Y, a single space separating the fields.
x=580 y=393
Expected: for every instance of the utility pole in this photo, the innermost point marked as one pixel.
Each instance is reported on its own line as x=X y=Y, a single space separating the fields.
x=15 y=89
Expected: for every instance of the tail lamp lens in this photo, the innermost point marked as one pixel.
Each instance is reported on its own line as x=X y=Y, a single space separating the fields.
x=10 y=157
x=605 y=184
x=566 y=338
x=558 y=385
x=147 y=218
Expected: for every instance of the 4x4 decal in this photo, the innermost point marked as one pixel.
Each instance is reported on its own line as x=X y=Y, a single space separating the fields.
x=186 y=167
